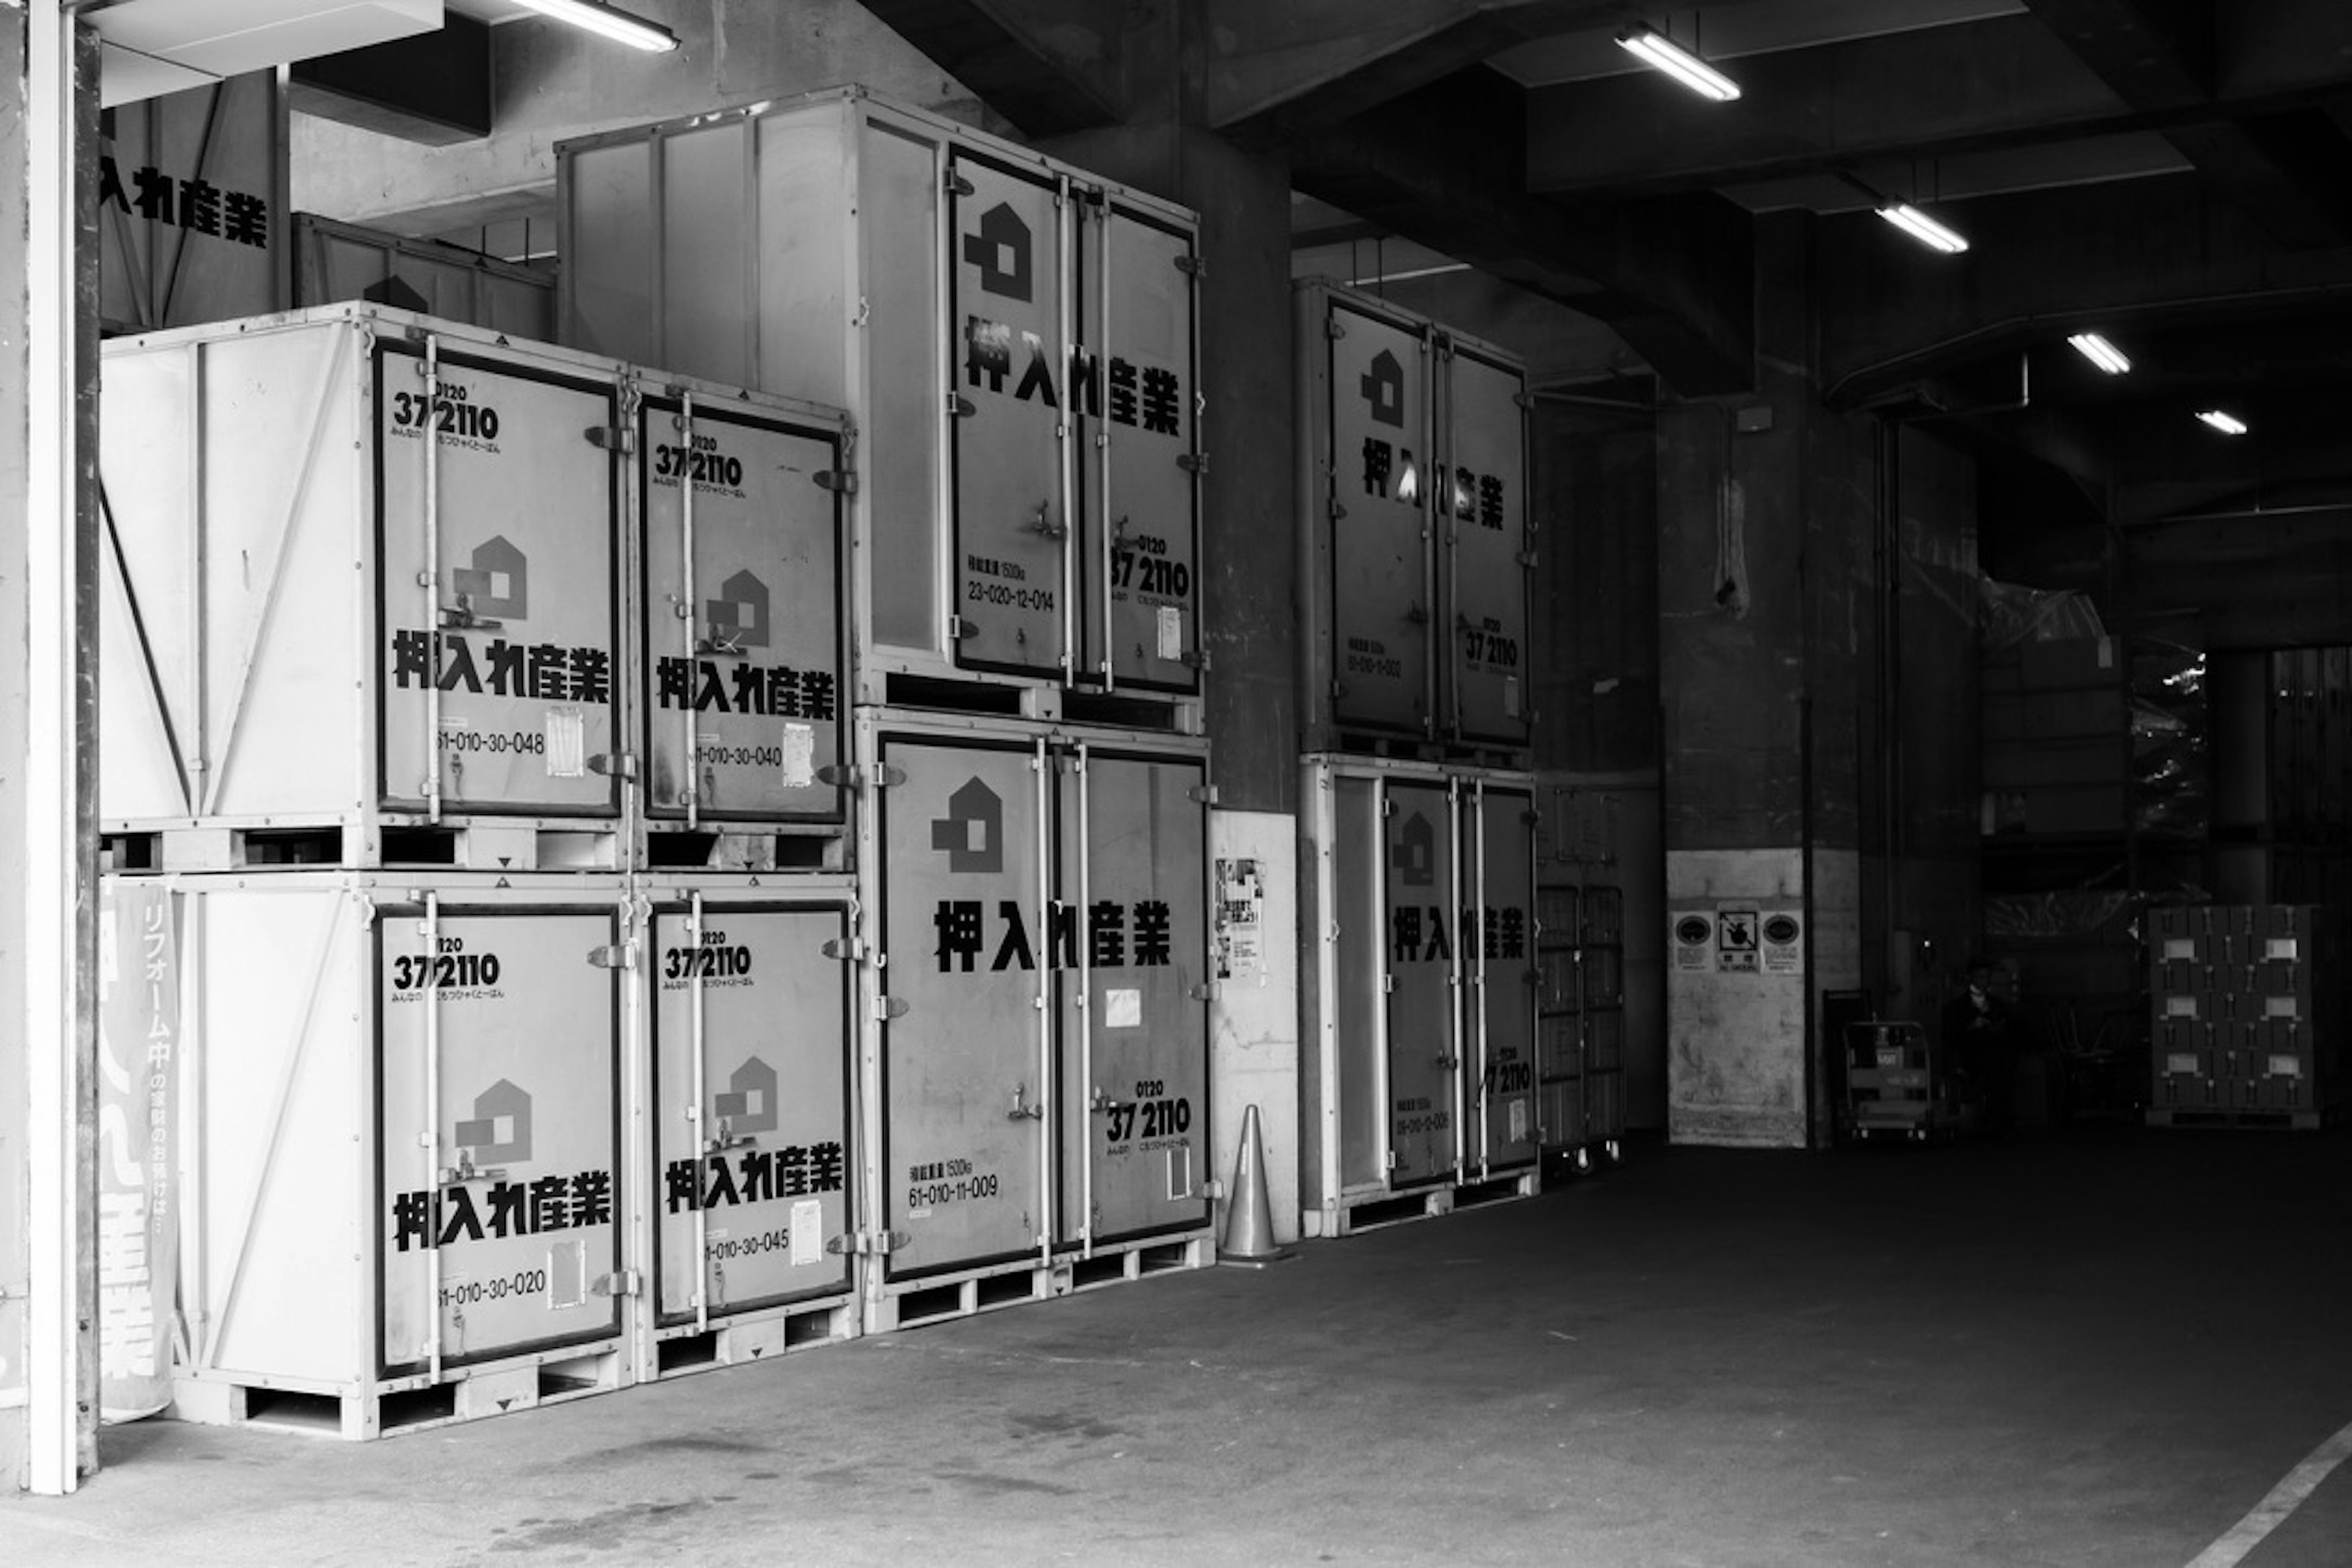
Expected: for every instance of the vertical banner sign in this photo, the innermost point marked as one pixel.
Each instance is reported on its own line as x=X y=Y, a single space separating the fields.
x=1379 y=534
x=138 y=1218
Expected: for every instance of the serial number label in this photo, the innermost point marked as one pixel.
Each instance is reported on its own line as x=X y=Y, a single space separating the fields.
x=1367 y=657
x=1004 y=595
x=1417 y=1116
x=495 y=742
x=947 y=1182
x=720 y=755
x=505 y=1287
x=1510 y=1078
x=722 y=1249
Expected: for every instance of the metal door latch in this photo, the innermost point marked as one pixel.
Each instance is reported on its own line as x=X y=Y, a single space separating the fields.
x=1022 y=1109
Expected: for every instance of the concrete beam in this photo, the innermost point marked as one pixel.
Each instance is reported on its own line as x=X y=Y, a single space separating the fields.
x=2003 y=82
x=2287 y=170
x=1671 y=277
x=2142 y=253
x=1050 y=66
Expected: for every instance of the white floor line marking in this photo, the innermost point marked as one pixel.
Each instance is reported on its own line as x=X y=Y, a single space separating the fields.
x=2274 y=1509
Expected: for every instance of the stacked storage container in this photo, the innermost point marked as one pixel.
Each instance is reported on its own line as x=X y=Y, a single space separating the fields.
x=1419 y=1095
x=379 y=693
x=2248 y=1014
x=1013 y=339
x=1416 y=549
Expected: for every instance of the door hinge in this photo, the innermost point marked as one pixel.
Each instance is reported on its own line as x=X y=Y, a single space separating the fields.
x=846 y=948
x=1194 y=462
x=1192 y=266
x=1198 y=658
x=867 y=1242
x=1531 y=819
x=627 y=1282
x=1214 y=1189
x=1334 y=509
x=1527 y=558
x=614 y=764
x=612 y=438
x=955 y=184
x=840 y=481
x=888 y=1007
x=619 y=955
x=960 y=406
x=1334 y=328
x=1524 y=399
x=1388 y=983
x=1339 y=688
x=1207 y=991
x=1202 y=794
x=1391 y=1164
x=959 y=628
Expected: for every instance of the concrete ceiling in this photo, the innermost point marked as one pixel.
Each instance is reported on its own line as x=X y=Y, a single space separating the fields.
x=2176 y=174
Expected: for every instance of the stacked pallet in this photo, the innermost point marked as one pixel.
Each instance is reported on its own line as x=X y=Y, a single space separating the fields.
x=2247 y=1004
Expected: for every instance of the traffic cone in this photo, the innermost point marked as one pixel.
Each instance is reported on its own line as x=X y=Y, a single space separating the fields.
x=1249 y=1225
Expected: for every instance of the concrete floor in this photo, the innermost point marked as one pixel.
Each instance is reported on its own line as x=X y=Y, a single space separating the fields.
x=2097 y=1348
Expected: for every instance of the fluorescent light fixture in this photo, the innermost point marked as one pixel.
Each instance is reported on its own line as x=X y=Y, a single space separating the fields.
x=2100 y=353
x=1679 y=63
x=1922 y=227
x=606 y=22
x=2228 y=423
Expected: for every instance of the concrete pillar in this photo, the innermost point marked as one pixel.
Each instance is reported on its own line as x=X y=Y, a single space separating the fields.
x=48 y=410
x=1767 y=652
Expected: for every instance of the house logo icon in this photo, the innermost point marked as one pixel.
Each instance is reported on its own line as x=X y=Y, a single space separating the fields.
x=749 y=1105
x=1383 y=389
x=1416 y=852
x=972 y=832
x=739 y=616
x=500 y=1128
x=1001 y=251
x=496 y=585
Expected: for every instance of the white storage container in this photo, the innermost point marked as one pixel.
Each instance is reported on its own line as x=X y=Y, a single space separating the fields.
x=1039 y=1090
x=338 y=262
x=315 y=622
x=403 y=1191
x=750 y=1179
x=1418 y=546
x=1014 y=338
x=1420 y=1079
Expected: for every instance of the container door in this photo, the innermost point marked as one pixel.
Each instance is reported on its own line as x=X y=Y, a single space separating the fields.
x=501 y=618
x=1139 y=563
x=1380 y=557
x=1500 y=1012
x=742 y=626
x=1487 y=552
x=965 y=1096
x=751 y=1108
x=499 y=1145
x=1010 y=345
x=1132 y=945
x=1358 y=926
x=1423 y=889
